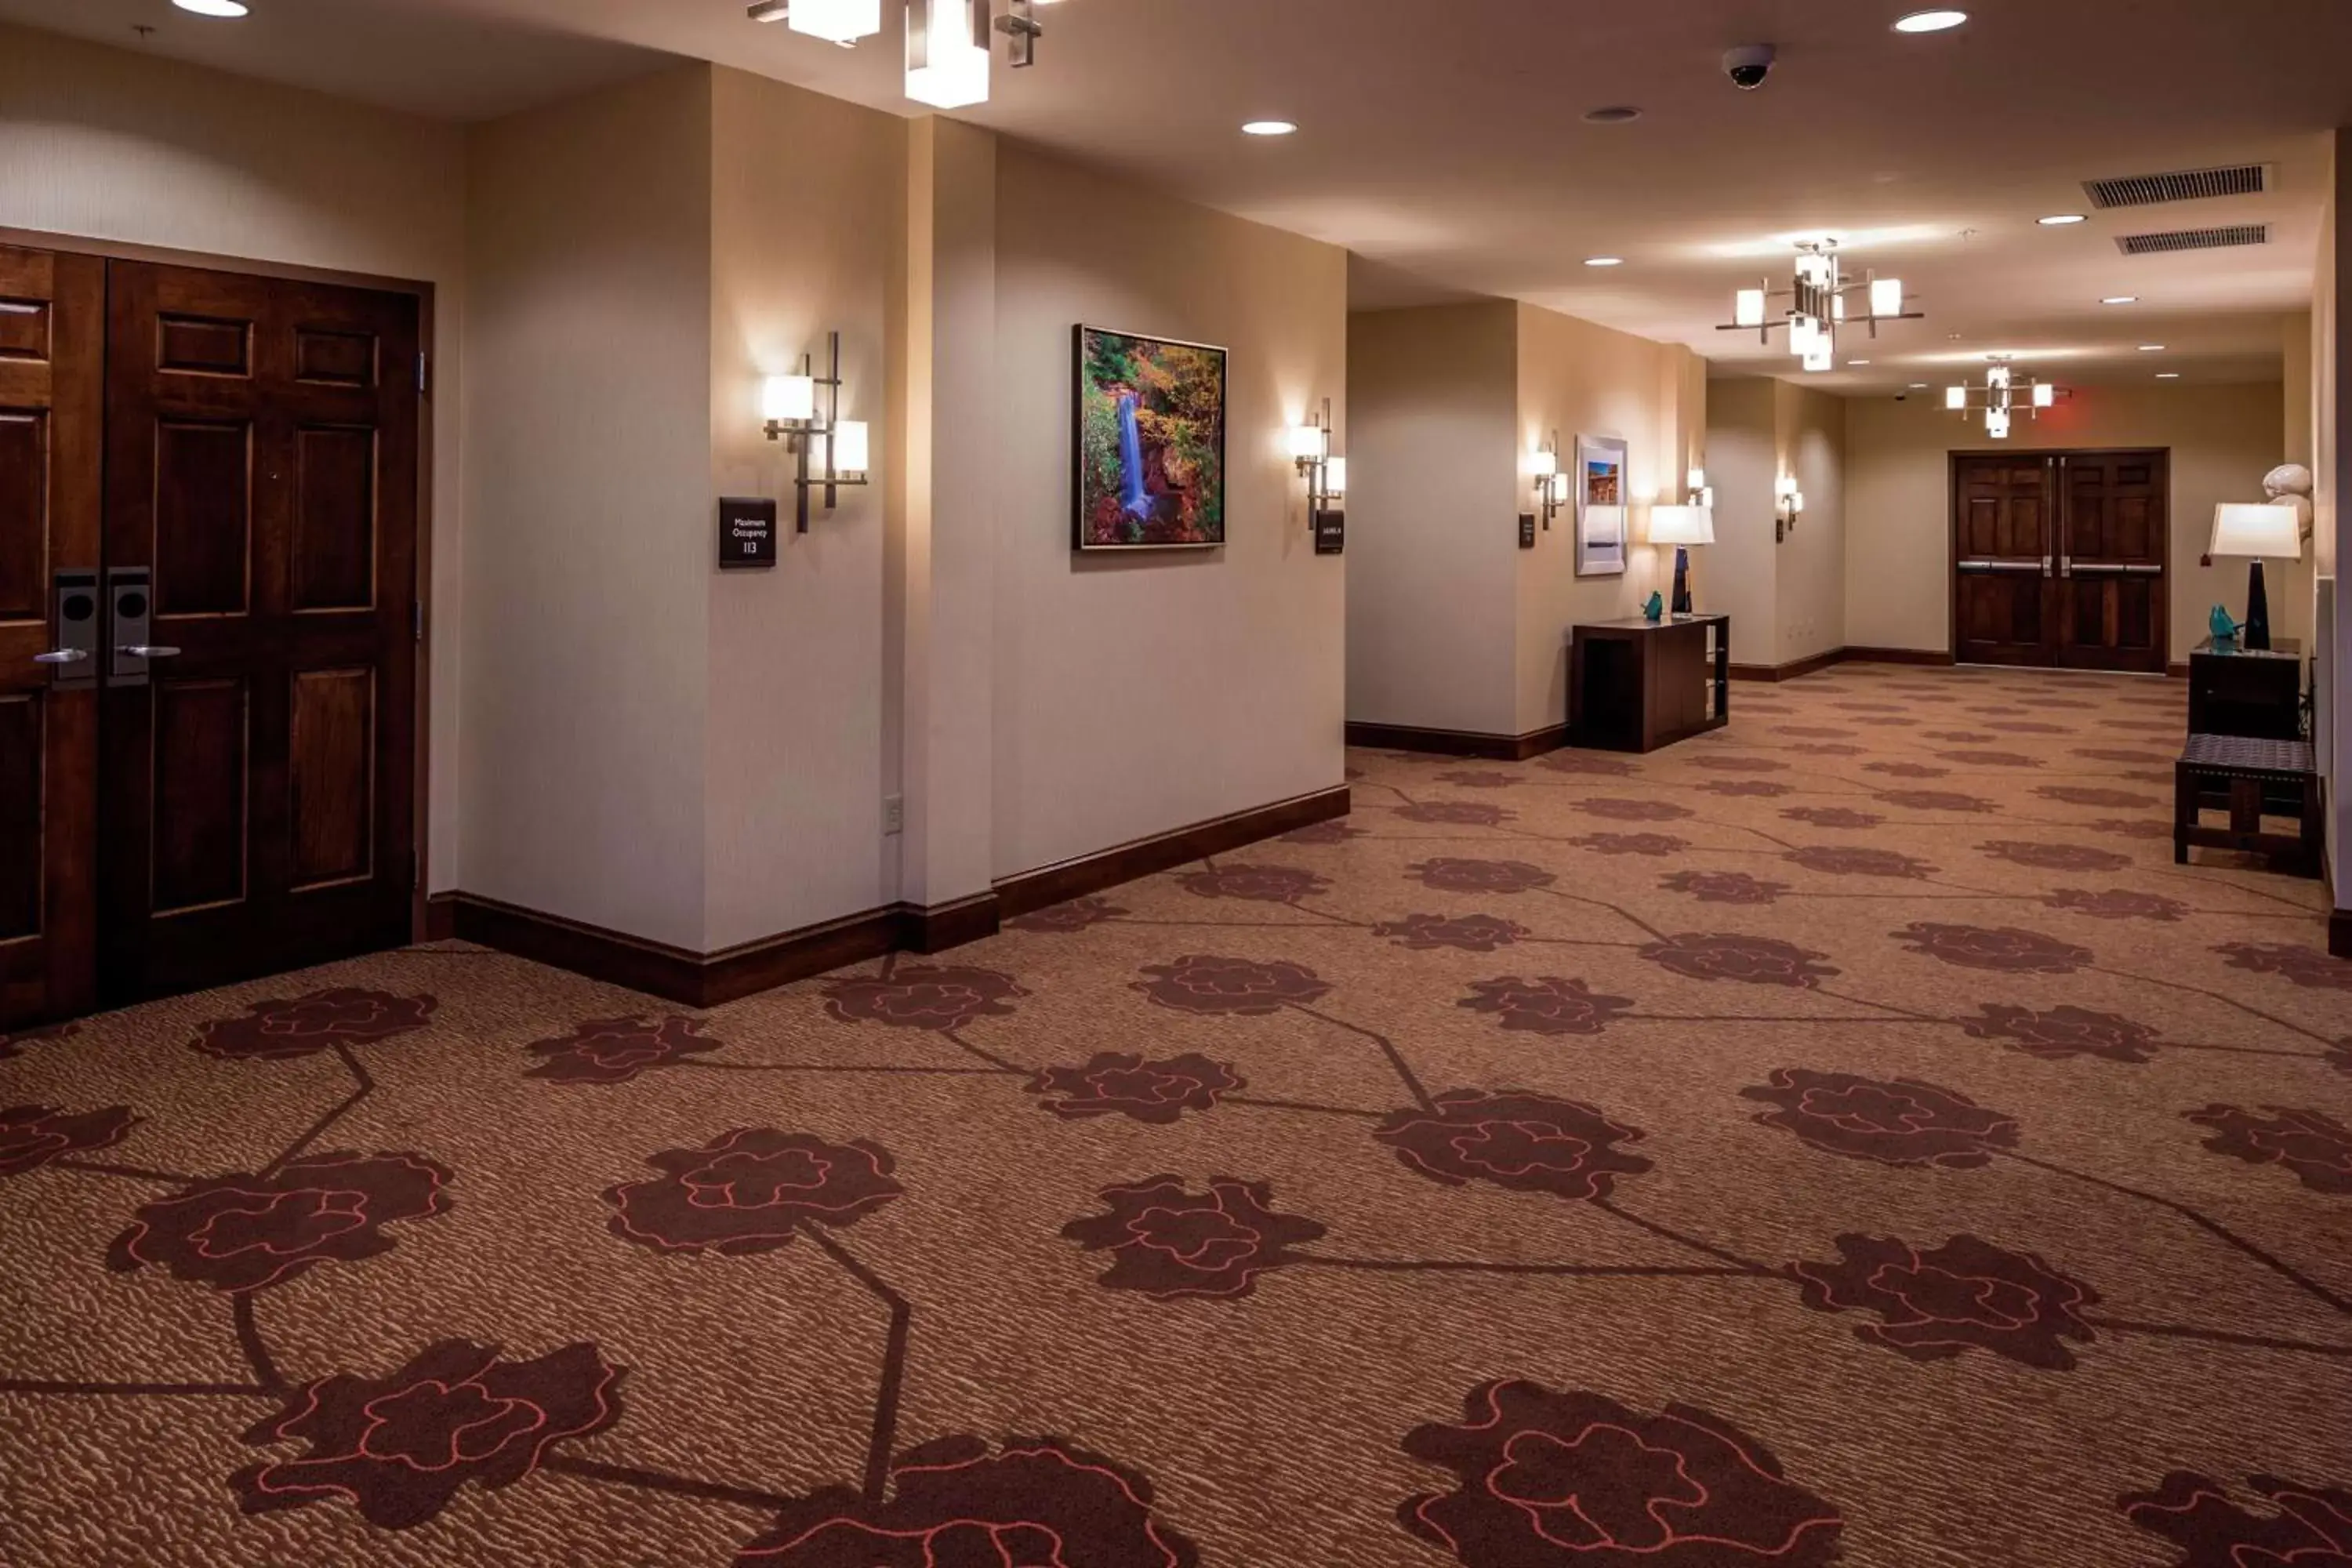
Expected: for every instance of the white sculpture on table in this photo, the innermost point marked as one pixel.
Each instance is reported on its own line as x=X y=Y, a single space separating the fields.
x=2289 y=484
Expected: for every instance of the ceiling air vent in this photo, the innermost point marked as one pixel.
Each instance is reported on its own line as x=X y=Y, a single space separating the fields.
x=2182 y=185
x=2195 y=239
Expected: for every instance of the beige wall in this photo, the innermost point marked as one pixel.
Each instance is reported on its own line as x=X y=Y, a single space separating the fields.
x=1586 y=380
x=1738 y=574
x=1438 y=481
x=2223 y=439
x=1141 y=693
x=1809 y=587
x=2332 y=696
x=588 y=481
x=108 y=144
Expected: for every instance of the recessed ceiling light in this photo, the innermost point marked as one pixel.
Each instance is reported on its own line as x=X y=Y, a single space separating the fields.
x=1614 y=114
x=1604 y=261
x=2168 y=375
x=1931 y=21
x=213 y=7
x=1857 y=361
x=2120 y=299
x=1268 y=128
x=2151 y=348
x=2060 y=220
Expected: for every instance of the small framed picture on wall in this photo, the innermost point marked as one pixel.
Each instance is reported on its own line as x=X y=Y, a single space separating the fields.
x=1602 y=510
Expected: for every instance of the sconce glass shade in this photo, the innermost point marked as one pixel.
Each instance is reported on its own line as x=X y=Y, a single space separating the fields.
x=1823 y=354
x=1747 y=308
x=1803 y=332
x=2257 y=531
x=2045 y=395
x=1694 y=480
x=1997 y=424
x=851 y=447
x=1886 y=296
x=946 y=52
x=836 y=21
x=1797 y=500
x=1335 y=476
x=788 y=397
x=1544 y=464
x=1955 y=398
x=1837 y=308
x=1309 y=443
x=1681 y=525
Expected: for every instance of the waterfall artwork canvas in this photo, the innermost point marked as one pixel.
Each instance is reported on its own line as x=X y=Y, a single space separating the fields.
x=1151 y=443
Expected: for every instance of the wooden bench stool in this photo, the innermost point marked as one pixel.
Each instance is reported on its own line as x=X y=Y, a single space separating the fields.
x=2247 y=771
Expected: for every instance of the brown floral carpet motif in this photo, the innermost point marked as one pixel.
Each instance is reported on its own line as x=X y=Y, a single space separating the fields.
x=1845 y=1138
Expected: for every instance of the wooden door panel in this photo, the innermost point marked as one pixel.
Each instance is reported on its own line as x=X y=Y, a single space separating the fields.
x=203 y=512
x=52 y=334
x=333 y=559
x=333 y=772
x=2001 y=610
x=2114 y=561
x=202 y=750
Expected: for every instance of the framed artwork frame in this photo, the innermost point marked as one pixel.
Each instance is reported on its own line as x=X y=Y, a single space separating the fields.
x=1603 y=512
x=1148 y=442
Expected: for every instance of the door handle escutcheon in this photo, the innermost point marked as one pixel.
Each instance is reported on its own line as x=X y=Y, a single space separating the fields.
x=148 y=650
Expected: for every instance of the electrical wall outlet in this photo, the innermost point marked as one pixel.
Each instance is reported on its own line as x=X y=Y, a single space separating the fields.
x=894 y=814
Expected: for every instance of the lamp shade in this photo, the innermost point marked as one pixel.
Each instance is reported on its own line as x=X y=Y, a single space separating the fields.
x=2242 y=530
x=1544 y=464
x=1309 y=442
x=1681 y=525
x=788 y=397
x=1335 y=476
x=852 y=447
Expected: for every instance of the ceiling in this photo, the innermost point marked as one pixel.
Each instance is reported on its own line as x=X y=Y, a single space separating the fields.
x=1445 y=145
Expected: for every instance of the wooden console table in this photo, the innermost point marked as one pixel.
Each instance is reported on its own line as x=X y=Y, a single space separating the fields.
x=1636 y=685
x=2256 y=692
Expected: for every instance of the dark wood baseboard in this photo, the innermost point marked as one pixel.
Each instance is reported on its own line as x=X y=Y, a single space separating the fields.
x=706 y=980
x=1458 y=743
x=1050 y=885
x=2176 y=671
x=2339 y=933
x=1898 y=656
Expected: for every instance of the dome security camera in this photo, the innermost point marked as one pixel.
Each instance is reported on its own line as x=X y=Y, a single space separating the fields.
x=1749 y=65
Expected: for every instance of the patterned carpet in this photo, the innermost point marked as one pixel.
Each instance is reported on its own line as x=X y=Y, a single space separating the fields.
x=1846 y=1138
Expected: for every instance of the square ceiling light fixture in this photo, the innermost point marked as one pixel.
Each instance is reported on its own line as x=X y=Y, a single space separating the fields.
x=946 y=52
x=842 y=22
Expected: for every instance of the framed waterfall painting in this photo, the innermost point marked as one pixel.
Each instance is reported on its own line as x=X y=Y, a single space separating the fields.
x=1601 y=507
x=1151 y=459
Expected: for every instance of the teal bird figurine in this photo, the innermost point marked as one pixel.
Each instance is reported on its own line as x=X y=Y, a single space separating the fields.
x=2224 y=628
x=1655 y=609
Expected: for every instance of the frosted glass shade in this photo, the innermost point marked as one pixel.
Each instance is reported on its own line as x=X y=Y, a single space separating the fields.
x=788 y=397
x=1997 y=424
x=947 y=56
x=1681 y=525
x=836 y=21
x=2242 y=530
x=1309 y=441
x=1955 y=398
x=1886 y=296
x=1335 y=476
x=2045 y=395
x=850 y=446
x=1544 y=464
x=1747 y=308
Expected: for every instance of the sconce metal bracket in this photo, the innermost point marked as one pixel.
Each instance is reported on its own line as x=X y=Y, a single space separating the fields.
x=802 y=435
x=1023 y=29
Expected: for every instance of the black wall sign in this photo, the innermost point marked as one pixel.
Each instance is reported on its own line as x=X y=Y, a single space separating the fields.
x=1330 y=532
x=1527 y=530
x=747 y=533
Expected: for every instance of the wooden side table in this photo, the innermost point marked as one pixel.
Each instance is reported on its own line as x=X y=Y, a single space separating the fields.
x=2249 y=771
x=1636 y=685
x=2258 y=693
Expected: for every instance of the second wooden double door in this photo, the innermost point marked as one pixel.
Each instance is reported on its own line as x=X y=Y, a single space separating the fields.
x=2061 y=559
x=208 y=532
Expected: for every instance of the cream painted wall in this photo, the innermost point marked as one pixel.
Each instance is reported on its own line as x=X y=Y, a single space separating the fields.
x=1586 y=380
x=1141 y=693
x=1438 y=481
x=111 y=144
x=1738 y=574
x=588 y=482
x=1808 y=584
x=2332 y=693
x=2223 y=439
x=793 y=746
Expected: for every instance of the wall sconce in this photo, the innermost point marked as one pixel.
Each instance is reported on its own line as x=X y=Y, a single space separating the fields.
x=1325 y=476
x=1697 y=490
x=1551 y=485
x=788 y=404
x=1788 y=505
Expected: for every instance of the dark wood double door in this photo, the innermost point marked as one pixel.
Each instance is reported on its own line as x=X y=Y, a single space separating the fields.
x=208 y=533
x=2060 y=559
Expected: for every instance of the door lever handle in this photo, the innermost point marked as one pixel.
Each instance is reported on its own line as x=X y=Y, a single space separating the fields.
x=62 y=656
x=148 y=650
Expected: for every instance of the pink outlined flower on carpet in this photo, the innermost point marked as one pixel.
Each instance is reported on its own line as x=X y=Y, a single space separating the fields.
x=1546 y=1479
x=1868 y=707
x=1454 y=814
x=1965 y=1294
x=2118 y=904
x=1724 y=888
x=2312 y=1529
x=1257 y=884
x=398 y=1449
x=1738 y=764
x=2085 y=795
x=1206 y=983
x=1750 y=789
x=1959 y=737
x=1594 y=763
x=1658 y=845
x=2306 y=966
x=2125 y=828
x=1899 y=1122
x=1481 y=875
x=1753 y=959
x=1169 y=1242
x=2006 y=949
x=750 y=1190
x=2053 y=856
x=1993 y=759
x=12 y=1045
x=1475 y=780
x=1611 y=810
x=1524 y=1142
x=1838 y=816
x=1117 y=1084
x=1326 y=834
x=2316 y=1147
x=953 y=1500
x=1939 y=800
x=2063 y=1031
x=923 y=996
x=615 y=1050
x=1814 y=733
x=1548 y=1006
x=33 y=1135
x=279 y=1030
x=1470 y=933
x=1906 y=769
x=1078 y=914
x=249 y=1232
x=1827 y=749
x=2029 y=727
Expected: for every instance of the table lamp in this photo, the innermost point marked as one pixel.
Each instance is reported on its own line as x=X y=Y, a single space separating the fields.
x=1681 y=527
x=2257 y=531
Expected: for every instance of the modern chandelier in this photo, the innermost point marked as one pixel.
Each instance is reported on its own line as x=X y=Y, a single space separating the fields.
x=947 y=40
x=2001 y=396
x=1818 y=308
